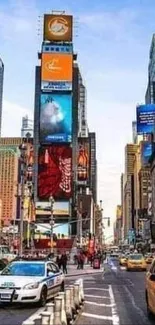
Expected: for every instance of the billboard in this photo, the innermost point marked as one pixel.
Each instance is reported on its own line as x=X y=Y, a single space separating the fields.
x=58 y=28
x=60 y=208
x=145 y=118
x=83 y=160
x=54 y=172
x=146 y=152
x=56 y=71
x=55 y=118
x=57 y=48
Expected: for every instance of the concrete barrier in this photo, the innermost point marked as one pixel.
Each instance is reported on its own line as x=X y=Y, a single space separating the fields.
x=72 y=300
x=57 y=310
x=64 y=311
x=50 y=309
x=45 y=318
x=80 y=282
x=76 y=295
x=68 y=307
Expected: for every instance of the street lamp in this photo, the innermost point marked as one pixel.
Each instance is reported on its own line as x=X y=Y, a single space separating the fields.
x=51 y=200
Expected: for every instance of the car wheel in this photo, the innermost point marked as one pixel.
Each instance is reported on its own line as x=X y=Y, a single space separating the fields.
x=43 y=297
x=63 y=286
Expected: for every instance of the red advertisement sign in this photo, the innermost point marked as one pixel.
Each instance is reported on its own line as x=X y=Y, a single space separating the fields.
x=54 y=172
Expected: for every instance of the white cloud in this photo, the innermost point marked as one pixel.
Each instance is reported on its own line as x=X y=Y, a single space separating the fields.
x=12 y=119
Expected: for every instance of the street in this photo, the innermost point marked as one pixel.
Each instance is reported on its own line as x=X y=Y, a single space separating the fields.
x=117 y=298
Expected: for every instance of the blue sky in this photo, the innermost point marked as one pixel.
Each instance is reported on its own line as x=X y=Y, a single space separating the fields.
x=112 y=39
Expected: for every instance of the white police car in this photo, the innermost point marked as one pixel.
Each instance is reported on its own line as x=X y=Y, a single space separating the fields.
x=30 y=281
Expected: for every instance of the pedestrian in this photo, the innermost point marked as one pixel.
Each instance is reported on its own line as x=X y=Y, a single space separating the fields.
x=64 y=262
x=58 y=261
x=82 y=259
x=78 y=261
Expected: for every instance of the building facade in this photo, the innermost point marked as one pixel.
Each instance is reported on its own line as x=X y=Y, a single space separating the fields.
x=150 y=92
x=1 y=91
x=9 y=168
x=128 y=201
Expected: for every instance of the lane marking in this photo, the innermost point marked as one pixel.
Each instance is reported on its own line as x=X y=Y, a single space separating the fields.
x=97 y=316
x=97 y=289
x=36 y=314
x=115 y=317
x=130 y=282
x=139 y=310
x=97 y=304
x=93 y=296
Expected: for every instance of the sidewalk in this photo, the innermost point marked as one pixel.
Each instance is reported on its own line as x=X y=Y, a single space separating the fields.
x=72 y=270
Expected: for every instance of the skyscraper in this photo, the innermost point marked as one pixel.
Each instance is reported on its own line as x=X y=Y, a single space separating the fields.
x=9 y=167
x=150 y=92
x=1 y=91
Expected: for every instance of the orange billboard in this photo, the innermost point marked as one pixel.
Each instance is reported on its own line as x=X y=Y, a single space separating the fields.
x=56 y=68
x=58 y=28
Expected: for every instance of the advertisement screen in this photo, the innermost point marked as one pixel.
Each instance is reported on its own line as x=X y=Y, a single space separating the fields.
x=60 y=208
x=56 y=69
x=83 y=161
x=145 y=118
x=146 y=152
x=57 y=48
x=58 y=27
x=54 y=172
x=55 y=118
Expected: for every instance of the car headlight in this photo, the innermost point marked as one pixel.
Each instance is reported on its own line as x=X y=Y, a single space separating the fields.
x=31 y=285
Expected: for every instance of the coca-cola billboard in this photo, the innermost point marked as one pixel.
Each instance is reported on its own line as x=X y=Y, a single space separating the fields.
x=83 y=161
x=54 y=172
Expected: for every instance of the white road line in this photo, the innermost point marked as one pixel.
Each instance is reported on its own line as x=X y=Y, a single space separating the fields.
x=115 y=317
x=36 y=314
x=130 y=283
x=97 y=316
x=93 y=296
x=139 y=310
x=97 y=289
x=96 y=304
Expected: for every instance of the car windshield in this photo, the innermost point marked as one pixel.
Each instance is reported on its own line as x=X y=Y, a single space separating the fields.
x=25 y=269
x=136 y=257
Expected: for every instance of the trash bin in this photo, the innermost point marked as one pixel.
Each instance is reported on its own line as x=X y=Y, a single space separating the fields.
x=96 y=263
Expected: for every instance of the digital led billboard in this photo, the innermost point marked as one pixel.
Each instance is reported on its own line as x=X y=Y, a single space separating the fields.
x=58 y=27
x=146 y=152
x=54 y=172
x=57 y=48
x=55 y=118
x=56 y=71
x=83 y=160
x=145 y=118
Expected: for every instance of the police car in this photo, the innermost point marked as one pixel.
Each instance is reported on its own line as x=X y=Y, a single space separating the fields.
x=30 y=281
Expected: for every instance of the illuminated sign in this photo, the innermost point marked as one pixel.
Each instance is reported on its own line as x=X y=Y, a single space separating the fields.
x=58 y=27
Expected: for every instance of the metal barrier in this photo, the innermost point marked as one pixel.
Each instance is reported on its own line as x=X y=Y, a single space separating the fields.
x=65 y=309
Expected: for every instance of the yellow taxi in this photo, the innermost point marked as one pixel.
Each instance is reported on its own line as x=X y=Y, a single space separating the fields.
x=150 y=290
x=136 y=262
x=149 y=258
x=122 y=260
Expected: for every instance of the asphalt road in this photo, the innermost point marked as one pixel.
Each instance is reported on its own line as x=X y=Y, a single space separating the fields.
x=116 y=299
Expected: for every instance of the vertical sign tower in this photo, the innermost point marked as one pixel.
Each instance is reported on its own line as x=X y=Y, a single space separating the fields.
x=55 y=114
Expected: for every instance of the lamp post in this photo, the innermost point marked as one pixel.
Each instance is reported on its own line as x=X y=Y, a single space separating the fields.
x=51 y=200
x=23 y=149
